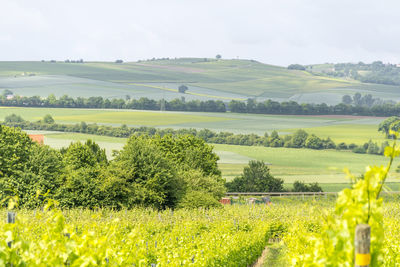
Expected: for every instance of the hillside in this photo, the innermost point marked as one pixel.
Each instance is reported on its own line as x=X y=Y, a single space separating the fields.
x=206 y=79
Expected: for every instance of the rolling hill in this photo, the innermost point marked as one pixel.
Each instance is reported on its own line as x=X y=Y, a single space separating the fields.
x=206 y=78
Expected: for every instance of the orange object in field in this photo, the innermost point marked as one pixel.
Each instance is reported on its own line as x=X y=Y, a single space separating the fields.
x=39 y=138
x=225 y=201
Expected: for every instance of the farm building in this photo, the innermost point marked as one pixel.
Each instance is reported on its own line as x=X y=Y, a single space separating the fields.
x=39 y=138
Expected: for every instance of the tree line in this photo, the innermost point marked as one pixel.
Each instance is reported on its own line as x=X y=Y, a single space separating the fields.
x=8 y=99
x=299 y=139
x=373 y=107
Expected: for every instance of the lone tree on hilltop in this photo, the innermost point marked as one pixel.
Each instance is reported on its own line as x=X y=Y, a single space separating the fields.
x=296 y=67
x=182 y=89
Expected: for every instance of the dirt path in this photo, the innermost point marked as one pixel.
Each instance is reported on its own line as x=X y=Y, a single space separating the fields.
x=271 y=257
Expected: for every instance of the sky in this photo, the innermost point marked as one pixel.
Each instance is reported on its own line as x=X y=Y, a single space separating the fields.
x=274 y=32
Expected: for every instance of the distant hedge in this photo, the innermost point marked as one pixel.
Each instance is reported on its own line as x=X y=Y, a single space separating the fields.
x=249 y=106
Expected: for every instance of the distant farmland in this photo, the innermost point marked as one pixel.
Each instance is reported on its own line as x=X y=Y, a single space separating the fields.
x=223 y=79
x=340 y=128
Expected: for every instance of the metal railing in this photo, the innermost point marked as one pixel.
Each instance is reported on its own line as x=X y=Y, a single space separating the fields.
x=295 y=193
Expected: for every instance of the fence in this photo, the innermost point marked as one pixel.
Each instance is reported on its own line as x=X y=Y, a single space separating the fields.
x=286 y=194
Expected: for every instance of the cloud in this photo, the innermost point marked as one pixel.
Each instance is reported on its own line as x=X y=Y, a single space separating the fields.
x=275 y=32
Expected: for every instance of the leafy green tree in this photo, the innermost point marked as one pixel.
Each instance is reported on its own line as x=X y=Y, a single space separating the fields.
x=200 y=190
x=147 y=177
x=373 y=148
x=26 y=167
x=299 y=186
x=274 y=140
x=389 y=124
x=189 y=152
x=342 y=146
x=314 y=142
x=347 y=99
x=13 y=119
x=256 y=177
x=7 y=92
x=15 y=148
x=296 y=67
x=81 y=185
x=299 y=138
x=48 y=119
x=182 y=89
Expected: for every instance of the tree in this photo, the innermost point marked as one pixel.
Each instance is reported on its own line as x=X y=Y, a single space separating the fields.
x=13 y=119
x=274 y=140
x=256 y=177
x=389 y=124
x=48 y=119
x=141 y=175
x=314 y=142
x=119 y=61
x=347 y=99
x=296 y=67
x=7 y=92
x=357 y=99
x=218 y=56
x=299 y=138
x=182 y=89
x=189 y=152
x=302 y=187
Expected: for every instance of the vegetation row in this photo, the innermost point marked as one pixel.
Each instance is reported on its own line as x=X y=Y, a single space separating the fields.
x=358 y=105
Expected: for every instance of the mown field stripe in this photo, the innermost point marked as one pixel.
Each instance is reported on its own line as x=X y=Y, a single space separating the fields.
x=188 y=93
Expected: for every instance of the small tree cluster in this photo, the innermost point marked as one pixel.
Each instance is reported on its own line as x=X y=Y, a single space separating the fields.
x=256 y=177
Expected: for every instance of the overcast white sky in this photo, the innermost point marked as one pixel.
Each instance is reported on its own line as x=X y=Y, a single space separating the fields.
x=278 y=32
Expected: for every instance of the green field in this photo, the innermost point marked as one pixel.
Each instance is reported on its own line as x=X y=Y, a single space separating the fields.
x=322 y=166
x=211 y=79
x=346 y=128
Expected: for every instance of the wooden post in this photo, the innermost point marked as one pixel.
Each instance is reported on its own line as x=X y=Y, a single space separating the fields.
x=362 y=245
x=10 y=219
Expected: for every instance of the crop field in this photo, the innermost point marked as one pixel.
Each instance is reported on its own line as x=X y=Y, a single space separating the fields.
x=349 y=133
x=211 y=79
x=322 y=166
x=343 y=128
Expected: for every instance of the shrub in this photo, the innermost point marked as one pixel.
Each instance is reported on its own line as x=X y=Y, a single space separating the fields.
x=299 y=186
x=341 y=146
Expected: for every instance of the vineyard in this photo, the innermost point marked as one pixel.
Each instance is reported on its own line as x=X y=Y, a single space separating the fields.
x=230 y=236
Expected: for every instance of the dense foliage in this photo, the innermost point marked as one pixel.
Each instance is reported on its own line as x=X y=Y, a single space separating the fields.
x=376 y=72
x=156 y=171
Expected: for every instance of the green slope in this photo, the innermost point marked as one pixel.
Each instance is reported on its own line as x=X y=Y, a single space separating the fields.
x=210 y=79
